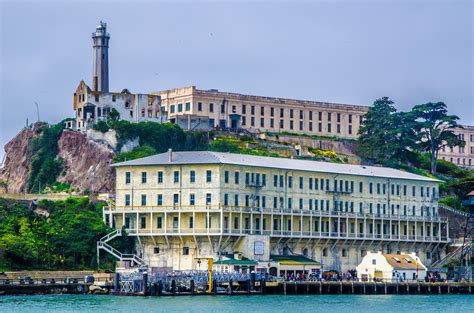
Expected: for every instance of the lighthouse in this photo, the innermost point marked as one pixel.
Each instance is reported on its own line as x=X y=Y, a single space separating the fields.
x=100 y=78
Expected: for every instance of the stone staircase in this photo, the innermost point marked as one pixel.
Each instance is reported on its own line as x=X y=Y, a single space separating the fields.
x=103 y=245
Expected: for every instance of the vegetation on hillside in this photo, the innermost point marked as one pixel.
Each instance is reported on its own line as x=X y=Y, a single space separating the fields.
x=157 y=138
x=45 y=166
x=59 y=235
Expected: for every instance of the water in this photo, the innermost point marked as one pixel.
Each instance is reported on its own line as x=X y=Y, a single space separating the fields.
x=229 y=304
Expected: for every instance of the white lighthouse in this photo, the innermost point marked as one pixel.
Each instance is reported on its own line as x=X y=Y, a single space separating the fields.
x=100 y=38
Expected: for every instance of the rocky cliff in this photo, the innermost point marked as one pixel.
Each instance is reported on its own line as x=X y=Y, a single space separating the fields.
x=86 y=163
x=16 y=167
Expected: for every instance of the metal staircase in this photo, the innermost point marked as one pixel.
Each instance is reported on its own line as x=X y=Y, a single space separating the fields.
x=445 y=260
x=103 y=245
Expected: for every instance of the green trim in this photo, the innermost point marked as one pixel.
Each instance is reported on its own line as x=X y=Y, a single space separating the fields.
x=293 y=259
x=235 y=262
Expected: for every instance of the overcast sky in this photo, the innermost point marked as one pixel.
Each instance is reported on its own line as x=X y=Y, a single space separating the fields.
x=338 y=51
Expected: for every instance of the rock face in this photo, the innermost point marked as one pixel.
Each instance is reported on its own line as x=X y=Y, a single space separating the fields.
x=16 y=168
x=86 y=163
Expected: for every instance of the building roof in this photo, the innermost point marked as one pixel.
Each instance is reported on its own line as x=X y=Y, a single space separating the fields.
x=293 y=260
x=235 y=262
x=208 y=157
x=403 y=261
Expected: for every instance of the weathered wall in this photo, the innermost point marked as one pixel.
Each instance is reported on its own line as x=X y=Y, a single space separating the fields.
x=86 y=163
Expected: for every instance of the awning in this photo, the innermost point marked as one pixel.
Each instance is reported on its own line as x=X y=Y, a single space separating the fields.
x=293 y=260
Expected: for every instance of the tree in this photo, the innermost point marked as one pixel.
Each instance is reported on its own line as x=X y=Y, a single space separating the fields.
x=114 y=115
x=384 y=133
x=434 y=129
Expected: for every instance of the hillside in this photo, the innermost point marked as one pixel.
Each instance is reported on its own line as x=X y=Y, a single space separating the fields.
x=48 y=158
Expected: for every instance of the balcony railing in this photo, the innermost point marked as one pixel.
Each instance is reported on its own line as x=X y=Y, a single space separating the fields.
x=215 y=231
x=282 y=211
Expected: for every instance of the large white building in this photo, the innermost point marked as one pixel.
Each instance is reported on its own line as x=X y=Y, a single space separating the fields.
x=182 y=205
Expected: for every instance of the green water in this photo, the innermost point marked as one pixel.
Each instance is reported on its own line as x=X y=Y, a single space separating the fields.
x=228 y=304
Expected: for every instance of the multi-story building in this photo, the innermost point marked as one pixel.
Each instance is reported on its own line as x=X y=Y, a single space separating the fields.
x=93 y=105
x=193 y=108
x=461 y=156
x=182 y=205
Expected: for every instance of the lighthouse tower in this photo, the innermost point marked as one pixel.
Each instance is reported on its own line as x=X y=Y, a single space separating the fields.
x=100 y=38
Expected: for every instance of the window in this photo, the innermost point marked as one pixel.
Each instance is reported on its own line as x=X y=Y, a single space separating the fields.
x=143 y=177
x=236 y=178
x=191 y=222
x=272 y=111
x=371 y=185
x=127 y=200
x=208 y=198
x=143 y=222
x=159 y=199
x=290 y=182
x=188 y=106
x=262 y=122
x=160 y=177
x=361 y=187
x=192 y=199
x=374 y=262
x=176 y=176
x=282 y=112
x=199 y=106
x=226 y=177
x=127 y=177
x=262 y=110
x=180 y=107
x=226 y=199
x=159 y=222
x=175 y=199
x=222 y=108
x=208 y=176
x=156 y=250
x=192 y=176
x=185 y=250
x=301 y=182
x=236 y=200
x=310 y=184
x=211 y=107
x=264 y=180
x=143 y=200
x=244 y=109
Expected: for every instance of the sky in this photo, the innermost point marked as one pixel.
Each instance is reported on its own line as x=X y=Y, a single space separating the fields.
x=336 y=51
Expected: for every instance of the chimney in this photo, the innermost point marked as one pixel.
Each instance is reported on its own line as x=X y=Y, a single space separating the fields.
x=170 y=155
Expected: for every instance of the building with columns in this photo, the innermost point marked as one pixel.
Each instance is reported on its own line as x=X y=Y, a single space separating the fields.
x=182 y=205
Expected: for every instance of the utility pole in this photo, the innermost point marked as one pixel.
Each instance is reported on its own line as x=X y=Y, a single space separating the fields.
x=37 y=110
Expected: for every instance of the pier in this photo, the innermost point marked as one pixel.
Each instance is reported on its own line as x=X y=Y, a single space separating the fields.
x=250 y=284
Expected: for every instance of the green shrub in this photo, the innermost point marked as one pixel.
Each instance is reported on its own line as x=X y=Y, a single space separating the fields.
x=45 y=166
x=66 y=239
x=101 y=126
x=139 y=152
x=160 y=137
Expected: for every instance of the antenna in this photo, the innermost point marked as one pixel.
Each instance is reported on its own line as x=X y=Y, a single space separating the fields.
x=37 y=110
